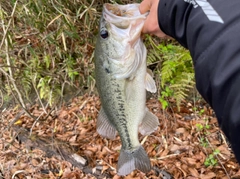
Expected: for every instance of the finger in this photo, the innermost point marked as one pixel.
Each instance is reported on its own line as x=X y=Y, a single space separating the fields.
x=151 y=25
x=151 y=21
x=145 y=6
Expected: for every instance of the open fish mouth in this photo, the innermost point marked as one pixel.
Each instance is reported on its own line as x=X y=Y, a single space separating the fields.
x=122 y=15
x=123 y=24
x=116 y=10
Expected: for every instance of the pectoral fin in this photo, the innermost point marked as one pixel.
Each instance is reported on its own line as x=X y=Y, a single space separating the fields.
x=149 y=123
x=104 y=127
x=150 y=83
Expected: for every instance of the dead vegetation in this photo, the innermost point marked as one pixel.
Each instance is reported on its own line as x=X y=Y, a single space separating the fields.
x=46 y=59
x=64 y=144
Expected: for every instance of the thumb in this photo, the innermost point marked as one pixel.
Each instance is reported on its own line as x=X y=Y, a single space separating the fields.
x=145 y=6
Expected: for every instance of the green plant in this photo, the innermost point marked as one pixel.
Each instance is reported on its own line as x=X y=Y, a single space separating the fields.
x=165 y=93
x=203 y=131
x=46 y=48
x=204 y=142
x=177 y=71
x=203 y=128
x=201 y=111
x=211 y=160
x=200 y=127
x=174 y=69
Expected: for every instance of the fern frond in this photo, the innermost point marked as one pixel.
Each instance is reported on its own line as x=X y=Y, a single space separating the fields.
x=177 y=71
x=167 y=71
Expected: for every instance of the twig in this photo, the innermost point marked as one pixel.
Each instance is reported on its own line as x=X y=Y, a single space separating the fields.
x=5 y=30
x=59 y=11
x=62 y=89
x=1 y=98
x=35 y=123
x=9 y=22
x=6 y=74
x=167 y=156
x=34 y=86
x=36 y=120
x=224 y=139
x=81 y=15
x=218 y=159
x=17 y=172
x=25 y=109
x=144 y=139
x=16 y=118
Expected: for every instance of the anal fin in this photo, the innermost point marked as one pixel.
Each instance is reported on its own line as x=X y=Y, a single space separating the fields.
x=104 y=127
x=149 y=123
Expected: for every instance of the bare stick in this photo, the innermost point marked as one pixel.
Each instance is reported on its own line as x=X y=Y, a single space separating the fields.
x=9 y=22
x=5 y=30
x=39 y=98
x=219 y=159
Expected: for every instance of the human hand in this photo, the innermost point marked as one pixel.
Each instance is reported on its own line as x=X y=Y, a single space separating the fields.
x=151 y=23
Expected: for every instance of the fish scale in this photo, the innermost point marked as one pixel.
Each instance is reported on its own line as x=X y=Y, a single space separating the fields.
x=119 y=111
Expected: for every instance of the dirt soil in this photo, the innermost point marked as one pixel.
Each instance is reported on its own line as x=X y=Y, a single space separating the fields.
x=63 y=143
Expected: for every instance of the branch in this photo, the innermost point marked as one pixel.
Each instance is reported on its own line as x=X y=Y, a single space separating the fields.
x=5 y=30
x=9 y=22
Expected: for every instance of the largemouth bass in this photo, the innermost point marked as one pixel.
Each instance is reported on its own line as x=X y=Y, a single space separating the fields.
x=122 y=80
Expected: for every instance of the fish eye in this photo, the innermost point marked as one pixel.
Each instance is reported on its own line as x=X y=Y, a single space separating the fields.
x=104 y=33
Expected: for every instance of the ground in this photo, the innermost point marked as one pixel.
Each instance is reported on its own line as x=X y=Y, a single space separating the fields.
x=63 y=143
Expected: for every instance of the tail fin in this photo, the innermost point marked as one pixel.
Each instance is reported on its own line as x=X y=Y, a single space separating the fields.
x=131 y=160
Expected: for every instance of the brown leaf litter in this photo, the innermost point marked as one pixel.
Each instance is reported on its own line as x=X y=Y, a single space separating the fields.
x=64 y=144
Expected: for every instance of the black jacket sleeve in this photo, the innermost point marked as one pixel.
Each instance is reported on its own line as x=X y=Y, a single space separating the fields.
x=211 y=31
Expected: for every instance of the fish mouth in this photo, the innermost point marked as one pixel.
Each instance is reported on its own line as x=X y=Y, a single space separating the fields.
x=124 y=21
x=122 y=15
x=118 y=11
x=124 y=11
x=124 y=24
